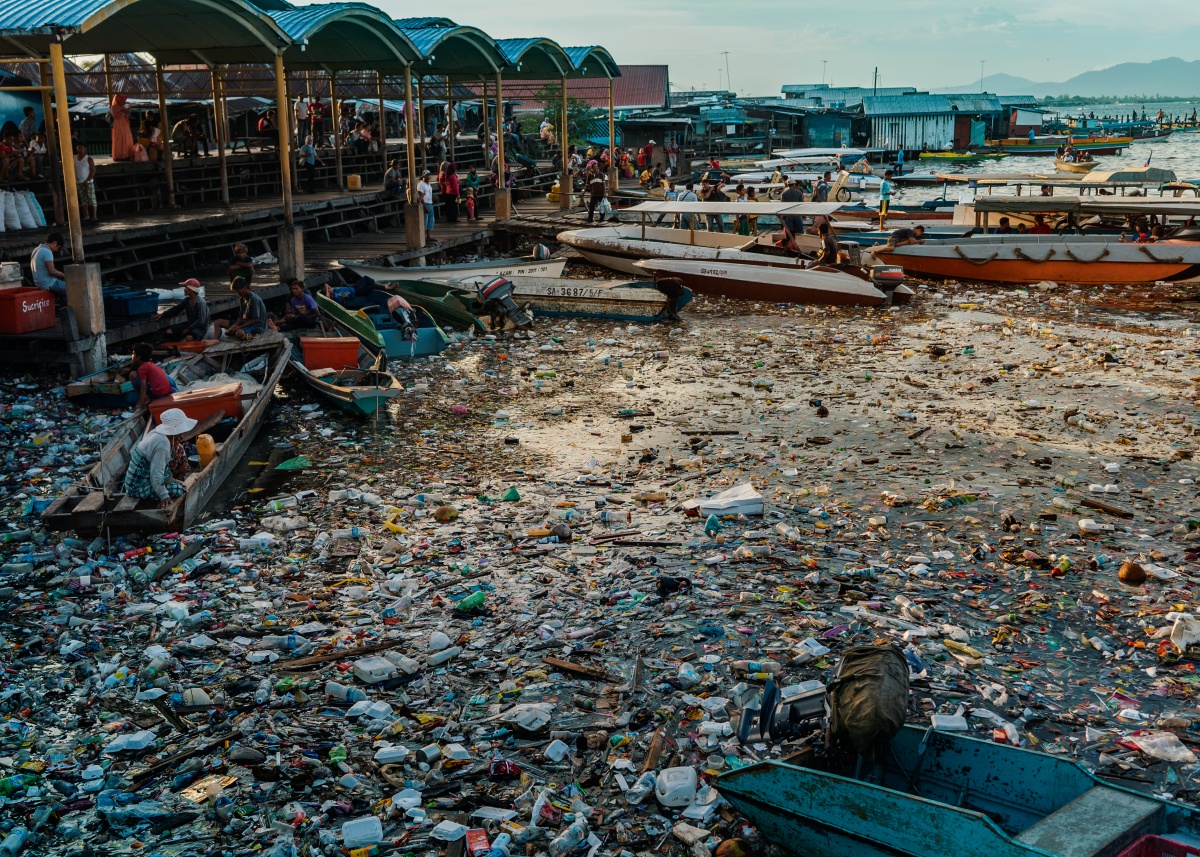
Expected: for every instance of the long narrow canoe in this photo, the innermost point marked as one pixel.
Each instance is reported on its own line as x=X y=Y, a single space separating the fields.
x=98 y=503
x=938 y=794
x=617 y=300
x=359 y=390
x=524 y=266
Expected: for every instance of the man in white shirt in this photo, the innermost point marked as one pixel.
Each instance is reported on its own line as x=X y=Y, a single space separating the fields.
x=425 y=198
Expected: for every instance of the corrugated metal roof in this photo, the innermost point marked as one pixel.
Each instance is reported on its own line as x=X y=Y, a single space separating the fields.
x=982 y=102
x=534 y=58
x=586 y=56
x=471 y=51
x=337 y=35
x=1018 y=100
x=639 y=87
x=423 y=23
x=905 y=105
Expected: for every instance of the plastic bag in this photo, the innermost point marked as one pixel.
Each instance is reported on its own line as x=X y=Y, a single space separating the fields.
x=1163 y=745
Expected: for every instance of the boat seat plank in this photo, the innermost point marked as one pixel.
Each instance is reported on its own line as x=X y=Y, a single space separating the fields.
x=126 y=504
x=1098 y=823
x=92 y=502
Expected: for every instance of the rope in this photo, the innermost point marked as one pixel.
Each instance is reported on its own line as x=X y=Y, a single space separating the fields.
x=1103 y=253
x=1021 y=254
x=967 y=258
x=1174 y=260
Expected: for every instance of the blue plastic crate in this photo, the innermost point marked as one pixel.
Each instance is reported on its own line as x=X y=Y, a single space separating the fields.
x=126 y=302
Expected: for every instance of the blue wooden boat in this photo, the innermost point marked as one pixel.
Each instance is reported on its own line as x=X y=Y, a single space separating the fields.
x=379 y=330
x=938 y=794
x=359 y=390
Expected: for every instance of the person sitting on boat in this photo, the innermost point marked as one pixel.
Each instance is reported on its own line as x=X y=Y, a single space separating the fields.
x=150 y=472
x=195 y=308
x=1040 y=227
x=777 y=176
x=1070 y=226
x=793 y=224
x=1022 y=229
x=251 y=321
x=149 y=380
x=1005 y=227
x=302 y=312
x=829 y=247
x=361 y=288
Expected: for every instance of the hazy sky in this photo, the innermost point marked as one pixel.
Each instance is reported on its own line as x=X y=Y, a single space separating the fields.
x=922 y=43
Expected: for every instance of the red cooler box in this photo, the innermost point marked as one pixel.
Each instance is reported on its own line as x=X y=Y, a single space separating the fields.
x=330 y=352
x=201 y=404
x=23 y=310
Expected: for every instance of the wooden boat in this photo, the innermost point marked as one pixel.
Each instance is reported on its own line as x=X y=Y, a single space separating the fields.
x=618 y=300
x=522 y=266
x=359 y=389
x=109 y=387
x=1075 y=166
x=1081 y=259
x=820 y=286
x=98 y=503
x=1049 y=145
x=962 y=156
x=381 y=332
x=937 y=794
x=453 y=307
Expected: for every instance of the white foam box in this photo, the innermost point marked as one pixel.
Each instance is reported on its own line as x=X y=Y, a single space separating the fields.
x=373 y=670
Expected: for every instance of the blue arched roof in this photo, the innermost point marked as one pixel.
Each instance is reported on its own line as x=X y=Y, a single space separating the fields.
x=593 y=61
x=534 y=59
x=344 y=36
x=457 y=51
x=174 y=31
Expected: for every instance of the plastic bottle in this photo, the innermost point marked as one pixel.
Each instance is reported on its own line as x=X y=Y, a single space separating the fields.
x=752 y=551
x=472 y=602
x=570 y=839
x=341 y=691
x=261 y=541
x=16 y=536
x=915 y=611
x=281 y=504
x=688 y=677
x=15 y=783
x=757 y=666
x=640 y=790
x=206 y=449
x=437 y=658
x=650 y=496
x=321 y=542
x=500 y=846
x=609 y=516
x=347 y=533
x=14 y=842
x=214 y=526
x=263 y=694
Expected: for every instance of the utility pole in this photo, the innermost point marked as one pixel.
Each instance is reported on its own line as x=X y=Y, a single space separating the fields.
x=728 y=85
x=823 y=64
x=982 y=63
x=875 y=83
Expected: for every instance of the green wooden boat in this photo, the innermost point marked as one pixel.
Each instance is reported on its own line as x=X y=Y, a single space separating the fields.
x=940 y=794
x=381 y=332
x=358 y=390
x=449 y=305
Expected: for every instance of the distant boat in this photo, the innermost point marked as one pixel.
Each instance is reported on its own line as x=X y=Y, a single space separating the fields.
x=616 y=300
x=819 y=286
x=1075 y=166
x=962 y=156
x=1024 y=259
x=523 y=266
x=386 y=330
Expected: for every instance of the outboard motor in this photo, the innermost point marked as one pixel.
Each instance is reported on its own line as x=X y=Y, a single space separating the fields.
x=887 y=278
x=405 y=316
x=496 y=295
x=672 y=287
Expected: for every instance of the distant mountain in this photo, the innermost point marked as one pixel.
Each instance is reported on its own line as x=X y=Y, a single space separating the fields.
x=1172 y=77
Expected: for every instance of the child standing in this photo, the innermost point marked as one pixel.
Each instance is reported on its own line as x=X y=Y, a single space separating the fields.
x=472 y=214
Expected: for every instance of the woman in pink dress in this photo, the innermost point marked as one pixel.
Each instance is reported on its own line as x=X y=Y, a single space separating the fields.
x=122 y=136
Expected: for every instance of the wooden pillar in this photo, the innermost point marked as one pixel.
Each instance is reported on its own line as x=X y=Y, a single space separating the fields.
x=66 y=149
x=108 y=86
x=165 y=128
x=564 y=181
x=336 y=111
x=487 y=137
x=409 y=153
x=383 y=152
x=421 y=124
x=613 y=175
x=218 y=88
x=499 y=127
x=450 y=124
x=282 y=108
x=55 y=173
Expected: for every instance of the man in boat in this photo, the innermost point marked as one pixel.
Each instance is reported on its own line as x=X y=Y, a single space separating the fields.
x=253 y=318
x=1040 y=227
x=149 y=380
x=793 y=224
x=302 y=312
x=151 y=471
x=902 y=237
x=195 y=309
x=1005 y=227
x=829 y=247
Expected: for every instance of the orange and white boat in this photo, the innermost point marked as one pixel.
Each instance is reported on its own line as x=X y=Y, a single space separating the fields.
x=1024 y=259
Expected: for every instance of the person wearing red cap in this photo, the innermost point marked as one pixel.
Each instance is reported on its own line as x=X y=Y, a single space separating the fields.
x=195 y=310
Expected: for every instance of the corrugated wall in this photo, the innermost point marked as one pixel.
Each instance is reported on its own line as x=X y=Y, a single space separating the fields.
x=925 y=132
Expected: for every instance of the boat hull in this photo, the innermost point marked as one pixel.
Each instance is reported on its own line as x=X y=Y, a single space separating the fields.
x=1027 y=260
x=819 y=286
x=517 y=268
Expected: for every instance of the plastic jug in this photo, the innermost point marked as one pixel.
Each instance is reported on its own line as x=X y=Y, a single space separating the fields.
x=676 y=787
x=362 y=832
x=206 y=448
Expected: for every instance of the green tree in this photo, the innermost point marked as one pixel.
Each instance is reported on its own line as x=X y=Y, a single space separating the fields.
x=581 y=116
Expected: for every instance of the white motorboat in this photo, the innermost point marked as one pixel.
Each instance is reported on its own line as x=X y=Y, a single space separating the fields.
x=525 y=266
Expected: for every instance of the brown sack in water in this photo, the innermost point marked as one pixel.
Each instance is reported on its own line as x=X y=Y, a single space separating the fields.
x=868 y=699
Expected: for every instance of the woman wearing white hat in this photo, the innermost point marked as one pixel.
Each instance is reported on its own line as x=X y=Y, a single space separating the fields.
x=149 y=476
